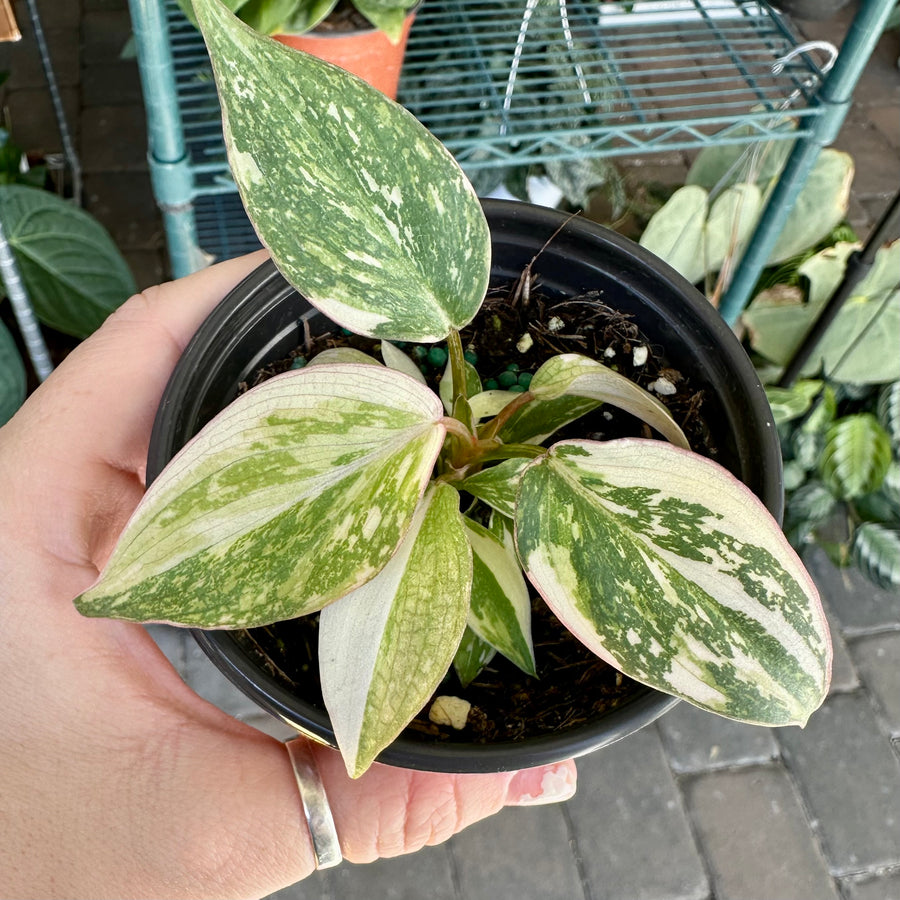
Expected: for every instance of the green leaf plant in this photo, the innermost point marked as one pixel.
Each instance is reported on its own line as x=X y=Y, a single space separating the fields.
x=337 y=487
x=840 y=423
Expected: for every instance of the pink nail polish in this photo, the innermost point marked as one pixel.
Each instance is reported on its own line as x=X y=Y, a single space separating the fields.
x=548 y=784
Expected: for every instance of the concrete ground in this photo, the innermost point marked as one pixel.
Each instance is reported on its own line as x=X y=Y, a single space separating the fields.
x=692 y=808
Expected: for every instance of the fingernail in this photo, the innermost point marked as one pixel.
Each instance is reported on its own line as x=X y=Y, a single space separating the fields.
x=547 y=784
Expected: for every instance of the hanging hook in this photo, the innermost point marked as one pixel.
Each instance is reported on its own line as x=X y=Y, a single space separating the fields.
x=829 y=49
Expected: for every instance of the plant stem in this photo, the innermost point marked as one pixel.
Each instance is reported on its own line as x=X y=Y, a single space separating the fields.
x=492 y=429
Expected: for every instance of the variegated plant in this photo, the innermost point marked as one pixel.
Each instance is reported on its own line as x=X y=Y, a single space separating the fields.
x=336 y=487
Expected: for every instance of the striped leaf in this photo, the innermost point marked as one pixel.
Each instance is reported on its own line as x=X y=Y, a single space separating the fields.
x=571 y=375
x=889 y=411
x=788 y=404
x=363 y=210
x=471 y=657
x=856 y=456
x=498 y=485
x=385 y=647
x=876 y=553
x=671 y=570
x=297 y=493
x=500 y=610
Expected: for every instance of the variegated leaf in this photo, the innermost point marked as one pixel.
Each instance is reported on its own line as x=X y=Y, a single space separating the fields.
x=856 y=455
x=445 y=388
x=487 y=404
x=395 y=358
x=384 y=648
x=471 y=657
x=572 y=375
x=364 y=211
x=342 y=355
x=670 y=569
x=297 y=493
x=498 y=485
x=501 y=610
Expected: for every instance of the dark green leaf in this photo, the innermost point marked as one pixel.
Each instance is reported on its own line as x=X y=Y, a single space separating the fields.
x=74 y=274
x=12 y=376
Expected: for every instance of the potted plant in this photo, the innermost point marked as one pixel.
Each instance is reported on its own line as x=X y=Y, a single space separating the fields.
x=337 y=487
x=365 y=37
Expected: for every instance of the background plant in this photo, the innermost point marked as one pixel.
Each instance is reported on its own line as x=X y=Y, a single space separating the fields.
x=336 y=487
x=70 y=267
x=840 y=424
x=300 y=16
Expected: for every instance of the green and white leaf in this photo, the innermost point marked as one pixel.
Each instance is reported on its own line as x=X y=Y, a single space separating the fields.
x=487 y=404
x=788 y=404
x=74 y=274
x=876 y=553
x=12 y=376
x=498 y=485
x=669 y=568
x=856 y=456
x=333 y=355
x=501 y=609
x=889 y=412
x=364 y=211
x=395 y=358
x=445 y=388
x=385 y=647
x=471 y=657
x=573 y=375
x=297 y=493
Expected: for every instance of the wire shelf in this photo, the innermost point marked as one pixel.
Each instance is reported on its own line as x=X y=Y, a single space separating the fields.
x=590 y=79
x=584 y=78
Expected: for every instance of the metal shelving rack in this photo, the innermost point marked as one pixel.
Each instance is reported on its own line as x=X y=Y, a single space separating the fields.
x=509 y=82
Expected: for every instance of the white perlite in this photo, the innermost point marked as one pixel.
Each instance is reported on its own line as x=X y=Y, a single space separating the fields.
x=662 y=386
x=452 y=711
x=525 y=343
x=639 y=355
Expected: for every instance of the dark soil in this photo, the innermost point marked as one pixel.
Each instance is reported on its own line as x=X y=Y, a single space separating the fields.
x=573 y=685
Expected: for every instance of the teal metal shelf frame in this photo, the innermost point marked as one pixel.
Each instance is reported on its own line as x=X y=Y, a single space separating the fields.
x=514 y=82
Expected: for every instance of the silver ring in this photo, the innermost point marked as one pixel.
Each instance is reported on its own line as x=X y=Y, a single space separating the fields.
x=326 y=846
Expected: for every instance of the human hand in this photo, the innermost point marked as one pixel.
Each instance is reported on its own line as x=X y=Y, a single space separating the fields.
x=115 y=778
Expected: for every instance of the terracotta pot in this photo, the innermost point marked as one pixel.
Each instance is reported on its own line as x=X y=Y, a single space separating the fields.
x=367 y=53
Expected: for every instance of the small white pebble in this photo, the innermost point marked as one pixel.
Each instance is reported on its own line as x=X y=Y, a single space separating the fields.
x=524 y=343
x=555 y=324
x=662 y=386
x=609 y=353
x=639 y=356
x=453 y=711
x=607 y=415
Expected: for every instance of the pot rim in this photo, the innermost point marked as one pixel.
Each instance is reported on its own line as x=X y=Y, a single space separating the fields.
x=510 y=219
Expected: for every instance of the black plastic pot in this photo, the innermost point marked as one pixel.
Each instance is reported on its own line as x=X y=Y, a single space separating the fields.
x=261 y=320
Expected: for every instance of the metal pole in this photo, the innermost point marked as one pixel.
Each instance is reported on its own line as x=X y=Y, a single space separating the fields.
x=21 y=306
x=858 y=265
x=170 y=172
x=834 y=95
x=65 y=135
